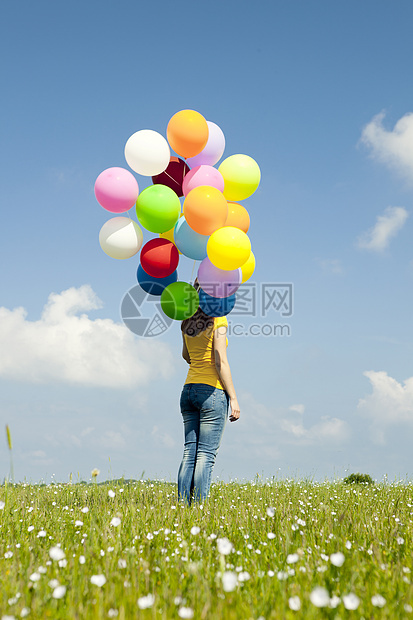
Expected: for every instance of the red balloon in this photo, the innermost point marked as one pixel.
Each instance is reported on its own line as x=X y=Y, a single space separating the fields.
x=159 y=257
x=173 y=176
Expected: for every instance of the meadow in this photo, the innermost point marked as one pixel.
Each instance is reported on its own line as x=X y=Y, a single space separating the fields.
x=264 y=549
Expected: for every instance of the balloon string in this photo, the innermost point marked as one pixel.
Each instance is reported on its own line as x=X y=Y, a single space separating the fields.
x=172 y=179
x=192 y=274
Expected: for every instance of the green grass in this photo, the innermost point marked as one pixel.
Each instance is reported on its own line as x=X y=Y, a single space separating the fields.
x=153 y=551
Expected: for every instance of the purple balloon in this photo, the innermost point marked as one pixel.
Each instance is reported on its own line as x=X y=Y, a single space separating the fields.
x=214 y=149
x=218 y=282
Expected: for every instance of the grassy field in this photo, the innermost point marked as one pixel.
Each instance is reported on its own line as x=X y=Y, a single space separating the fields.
x=263 y=549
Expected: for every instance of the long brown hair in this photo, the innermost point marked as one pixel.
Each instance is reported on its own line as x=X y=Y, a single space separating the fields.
x=198 y=322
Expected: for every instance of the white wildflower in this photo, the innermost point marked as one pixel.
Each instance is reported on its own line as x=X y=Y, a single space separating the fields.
x=378 y=600
x=59 y=592
x=337 y=559
x=400 y=540
x=78 y=523
x=98 y=580
x=115 y=522
x=270 y=535
x=41 y=534
x=146 y=601
x=270 y=511
x=319 y=597
x=294 y=603
x=82 y=559
x=24 y=612
x=185 y=612
x=30 y=528
x=111 y=493
x=244 y=576
x=224 y=546
x=8 y=555
x=292 y=558
x=85 y=509
x=34 y=577
x=121 y=563
x=351 y=601
x=195 y=530
x=2 y=505
x=348 y=545
x=53 y=583
x=334 y=601
x=229 y=581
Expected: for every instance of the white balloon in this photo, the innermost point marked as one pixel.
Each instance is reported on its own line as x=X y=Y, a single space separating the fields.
x=147 y=152
x=120 y=237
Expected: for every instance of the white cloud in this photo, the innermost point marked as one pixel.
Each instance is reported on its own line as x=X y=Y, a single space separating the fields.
x=69 y=347
x=264 y=427
x=163 y=438
x=297 y=408
x=112 y=439
x=393 y=148
x=387 y=226
x=390 y=401
x=331 y=265
x=331 y=429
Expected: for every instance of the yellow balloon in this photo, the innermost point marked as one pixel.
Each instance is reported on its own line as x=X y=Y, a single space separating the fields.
x=248 y=268
x=169 y=234
x=242 y=176
x=228 y=248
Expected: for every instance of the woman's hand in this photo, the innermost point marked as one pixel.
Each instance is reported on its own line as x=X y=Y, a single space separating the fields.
x=235 y=412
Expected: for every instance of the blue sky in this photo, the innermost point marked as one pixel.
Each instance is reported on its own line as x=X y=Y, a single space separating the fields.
x=319 y=94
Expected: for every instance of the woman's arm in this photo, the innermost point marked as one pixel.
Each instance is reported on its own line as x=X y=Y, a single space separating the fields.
x=224 y=371
x=185 y=353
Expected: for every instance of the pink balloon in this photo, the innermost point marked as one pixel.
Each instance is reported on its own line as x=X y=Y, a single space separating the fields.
x=203 y=175
x=116 y=190
x=214 y=149
x=217 y=282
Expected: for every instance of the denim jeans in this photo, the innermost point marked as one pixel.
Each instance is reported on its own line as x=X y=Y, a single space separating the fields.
x=204 y=411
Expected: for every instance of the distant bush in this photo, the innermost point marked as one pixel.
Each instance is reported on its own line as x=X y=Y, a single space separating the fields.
x=358 y=479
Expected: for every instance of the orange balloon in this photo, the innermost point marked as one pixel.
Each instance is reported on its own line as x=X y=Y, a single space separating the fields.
x=187 y=133
x=238 y=216
x=205 y=209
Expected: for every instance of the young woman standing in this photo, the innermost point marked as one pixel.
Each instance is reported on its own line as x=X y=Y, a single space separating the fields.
x=206 y=395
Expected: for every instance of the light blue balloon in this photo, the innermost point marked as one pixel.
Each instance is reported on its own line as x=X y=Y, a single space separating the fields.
x=190 y=243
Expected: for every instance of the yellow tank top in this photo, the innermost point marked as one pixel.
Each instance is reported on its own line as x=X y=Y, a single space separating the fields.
x=201 y=352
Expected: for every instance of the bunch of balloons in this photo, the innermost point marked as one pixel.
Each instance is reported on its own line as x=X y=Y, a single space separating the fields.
x=212 y=227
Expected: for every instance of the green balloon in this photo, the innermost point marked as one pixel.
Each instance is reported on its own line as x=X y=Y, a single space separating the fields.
x=158 y=208
x=179 y=301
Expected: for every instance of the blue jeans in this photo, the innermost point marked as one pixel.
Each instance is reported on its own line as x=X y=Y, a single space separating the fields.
x=204 y=411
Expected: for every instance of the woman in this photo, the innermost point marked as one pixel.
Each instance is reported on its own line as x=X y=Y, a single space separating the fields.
x=205 y=397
